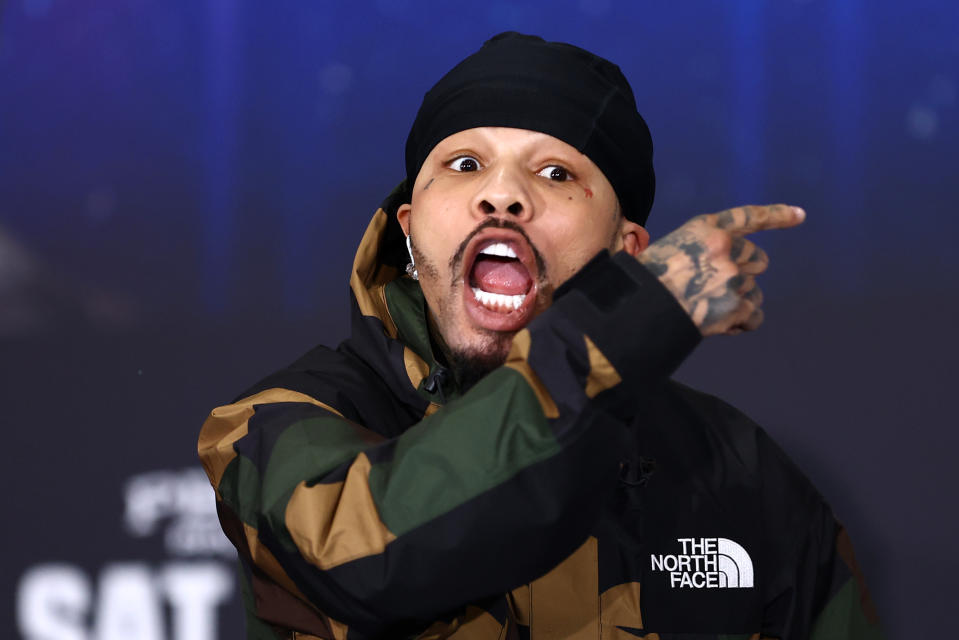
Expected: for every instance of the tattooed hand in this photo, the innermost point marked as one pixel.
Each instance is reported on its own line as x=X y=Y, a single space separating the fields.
x=711 y=268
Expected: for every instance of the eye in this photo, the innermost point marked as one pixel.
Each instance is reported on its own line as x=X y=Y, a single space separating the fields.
x=464 y=163
x=555 y=172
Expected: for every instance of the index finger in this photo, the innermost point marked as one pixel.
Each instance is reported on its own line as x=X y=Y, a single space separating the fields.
x=752 y=218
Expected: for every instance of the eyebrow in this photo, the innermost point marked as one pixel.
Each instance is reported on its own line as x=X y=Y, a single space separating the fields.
x=463 y=151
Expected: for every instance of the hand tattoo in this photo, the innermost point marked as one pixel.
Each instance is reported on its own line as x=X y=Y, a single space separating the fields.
x=710 y=267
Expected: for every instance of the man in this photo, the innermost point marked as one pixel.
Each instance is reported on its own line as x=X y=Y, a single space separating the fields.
x=497 y=451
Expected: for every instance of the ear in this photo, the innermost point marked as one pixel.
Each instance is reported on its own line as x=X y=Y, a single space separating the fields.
x=634 y=237
x=403 y=217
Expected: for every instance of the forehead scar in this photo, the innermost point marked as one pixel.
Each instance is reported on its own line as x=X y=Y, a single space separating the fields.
x=428 y=184
x=588 y=192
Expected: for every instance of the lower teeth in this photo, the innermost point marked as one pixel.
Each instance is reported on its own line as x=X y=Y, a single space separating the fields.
x=498 y=300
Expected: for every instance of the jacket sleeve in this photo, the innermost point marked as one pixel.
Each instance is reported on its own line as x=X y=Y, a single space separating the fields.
x=819 y=593
x=488 y=492
x=828 y=599
x=848 y=611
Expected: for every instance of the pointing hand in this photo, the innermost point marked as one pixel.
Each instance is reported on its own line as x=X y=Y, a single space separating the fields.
x=711 y=267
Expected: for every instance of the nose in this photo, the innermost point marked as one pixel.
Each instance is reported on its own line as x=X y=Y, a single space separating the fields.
x=504 y=191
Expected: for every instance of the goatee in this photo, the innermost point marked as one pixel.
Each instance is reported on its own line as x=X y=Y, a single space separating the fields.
x=470 y=367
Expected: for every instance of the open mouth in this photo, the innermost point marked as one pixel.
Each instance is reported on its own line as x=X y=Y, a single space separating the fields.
x=501 y=279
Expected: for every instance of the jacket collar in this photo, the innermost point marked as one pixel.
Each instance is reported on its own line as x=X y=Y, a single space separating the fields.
x=390 y=314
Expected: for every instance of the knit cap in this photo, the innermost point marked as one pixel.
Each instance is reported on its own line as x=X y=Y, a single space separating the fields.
x=525 y=82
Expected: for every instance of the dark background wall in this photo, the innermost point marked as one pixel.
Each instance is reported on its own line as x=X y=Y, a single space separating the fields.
x=182 y=183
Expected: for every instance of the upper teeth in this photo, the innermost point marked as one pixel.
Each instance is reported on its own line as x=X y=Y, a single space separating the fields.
x=499 y=249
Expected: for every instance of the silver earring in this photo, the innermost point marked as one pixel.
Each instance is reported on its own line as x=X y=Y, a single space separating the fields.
x=411 y=266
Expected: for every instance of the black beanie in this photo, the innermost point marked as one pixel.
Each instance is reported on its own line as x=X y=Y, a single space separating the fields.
x=524 y=82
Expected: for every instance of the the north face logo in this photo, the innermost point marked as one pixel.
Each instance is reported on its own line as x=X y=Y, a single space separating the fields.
x=706 y=563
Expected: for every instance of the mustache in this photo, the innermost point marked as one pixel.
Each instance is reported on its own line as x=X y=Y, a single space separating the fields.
x=456 y=261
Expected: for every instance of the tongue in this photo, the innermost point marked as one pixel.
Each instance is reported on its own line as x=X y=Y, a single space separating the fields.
x=498 y=275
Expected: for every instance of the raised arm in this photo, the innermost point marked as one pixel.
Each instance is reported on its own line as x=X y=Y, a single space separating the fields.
x=389 y=533
x=378 y=533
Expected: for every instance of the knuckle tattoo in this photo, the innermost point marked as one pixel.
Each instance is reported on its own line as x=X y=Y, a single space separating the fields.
x=735 y=283
x=726 y=219
x=738 y=247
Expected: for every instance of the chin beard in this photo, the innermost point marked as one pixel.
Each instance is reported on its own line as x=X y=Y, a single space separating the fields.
x=471 y=366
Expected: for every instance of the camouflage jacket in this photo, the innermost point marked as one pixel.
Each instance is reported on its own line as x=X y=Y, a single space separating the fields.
x=575 y=492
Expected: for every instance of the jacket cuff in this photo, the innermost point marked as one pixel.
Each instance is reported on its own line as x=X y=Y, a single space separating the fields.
x=629 y=315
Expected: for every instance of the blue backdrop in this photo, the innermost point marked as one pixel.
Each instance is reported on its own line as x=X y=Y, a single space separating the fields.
x=182 y=184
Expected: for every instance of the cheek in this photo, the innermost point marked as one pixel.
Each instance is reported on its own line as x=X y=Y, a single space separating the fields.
x=569 y=242
x=436 y=236
x=560 y=249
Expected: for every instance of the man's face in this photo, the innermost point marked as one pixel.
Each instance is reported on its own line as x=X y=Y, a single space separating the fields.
x=499 y=218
